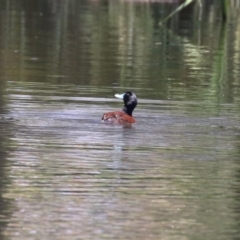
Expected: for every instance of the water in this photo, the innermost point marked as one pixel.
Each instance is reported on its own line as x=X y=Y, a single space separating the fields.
x=65 y=175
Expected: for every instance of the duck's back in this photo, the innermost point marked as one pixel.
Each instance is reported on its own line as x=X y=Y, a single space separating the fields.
x=118 y=117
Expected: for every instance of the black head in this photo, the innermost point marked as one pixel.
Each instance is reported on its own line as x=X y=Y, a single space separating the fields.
x=130 y=101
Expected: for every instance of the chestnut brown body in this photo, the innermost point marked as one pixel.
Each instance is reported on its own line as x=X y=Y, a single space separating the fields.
x=118 y=117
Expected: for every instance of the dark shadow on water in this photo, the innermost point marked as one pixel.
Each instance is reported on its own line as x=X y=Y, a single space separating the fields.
x=6 y=145
x=235 y=187
x=6 y=203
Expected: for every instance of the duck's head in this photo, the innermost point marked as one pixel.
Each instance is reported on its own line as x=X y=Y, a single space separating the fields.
x=130 y=101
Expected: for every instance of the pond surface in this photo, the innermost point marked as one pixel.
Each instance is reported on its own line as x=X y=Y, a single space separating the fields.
x=65 y=175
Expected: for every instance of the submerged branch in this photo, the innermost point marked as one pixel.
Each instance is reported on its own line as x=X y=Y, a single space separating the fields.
x=183 y=5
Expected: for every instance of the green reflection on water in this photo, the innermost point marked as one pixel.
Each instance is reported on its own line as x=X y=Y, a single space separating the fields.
x=118 y=44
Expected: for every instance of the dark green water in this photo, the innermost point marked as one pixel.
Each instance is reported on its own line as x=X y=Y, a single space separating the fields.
x=65 y=175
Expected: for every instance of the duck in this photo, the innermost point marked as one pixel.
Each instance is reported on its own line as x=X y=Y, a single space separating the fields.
x=124 y=116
